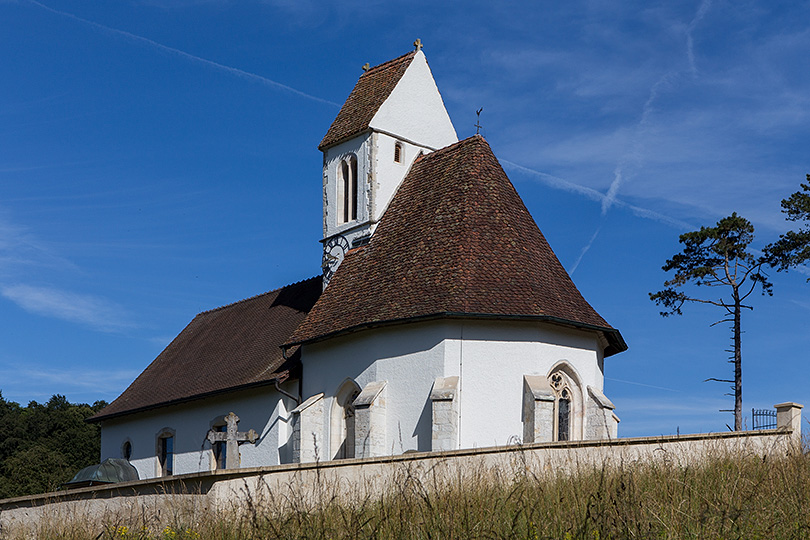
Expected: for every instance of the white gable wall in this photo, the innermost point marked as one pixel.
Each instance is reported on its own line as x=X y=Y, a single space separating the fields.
x=263 y=410
x=415 y=110
x=388 y=174
x=490 y=358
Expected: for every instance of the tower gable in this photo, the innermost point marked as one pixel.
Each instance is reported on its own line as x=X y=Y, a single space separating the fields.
x=414 y=111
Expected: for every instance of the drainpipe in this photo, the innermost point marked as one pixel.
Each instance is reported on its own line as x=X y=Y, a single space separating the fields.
x=297 y=398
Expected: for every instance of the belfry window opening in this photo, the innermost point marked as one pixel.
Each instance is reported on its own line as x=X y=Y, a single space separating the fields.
x=347 y=185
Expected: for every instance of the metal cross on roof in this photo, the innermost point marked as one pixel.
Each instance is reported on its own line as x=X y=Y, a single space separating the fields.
x=232 y=438
x=478 y=120
x=418 y=44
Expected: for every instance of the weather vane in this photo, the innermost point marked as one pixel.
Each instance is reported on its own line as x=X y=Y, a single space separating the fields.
x=478 y=120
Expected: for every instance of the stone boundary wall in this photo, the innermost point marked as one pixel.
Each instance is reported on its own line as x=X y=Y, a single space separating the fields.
x=305 y=485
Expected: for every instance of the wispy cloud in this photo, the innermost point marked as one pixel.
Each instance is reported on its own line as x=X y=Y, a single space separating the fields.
x=20 y=248
x=23 y=382
x=196 y=59
x=95 y=312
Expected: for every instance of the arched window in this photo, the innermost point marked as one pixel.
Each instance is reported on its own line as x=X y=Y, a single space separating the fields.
x=220 y=448
x=165 y=452
x=342 y=420
x=126 y=450
x=398 y=152
x=566 y=403
x=347 y=189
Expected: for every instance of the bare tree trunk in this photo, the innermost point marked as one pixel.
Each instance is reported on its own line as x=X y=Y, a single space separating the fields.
x=737 y=364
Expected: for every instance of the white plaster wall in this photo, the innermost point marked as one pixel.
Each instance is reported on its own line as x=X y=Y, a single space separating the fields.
x=491 y=359
x=263 y=410
x=388 y=173
x=415 y=110
x=362 y=148
x=409 y=357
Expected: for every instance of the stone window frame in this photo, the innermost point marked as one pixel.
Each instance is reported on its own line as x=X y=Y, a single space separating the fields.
x=218 y=422
x=341 y=420
x=165 y=433
x=348 y=189
x=124 y=444
x=570 y=381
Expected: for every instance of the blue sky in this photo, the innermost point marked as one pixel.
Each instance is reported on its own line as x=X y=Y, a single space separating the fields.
x=159 y=158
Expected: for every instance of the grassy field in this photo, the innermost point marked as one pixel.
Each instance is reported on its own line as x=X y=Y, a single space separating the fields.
x=724 y=497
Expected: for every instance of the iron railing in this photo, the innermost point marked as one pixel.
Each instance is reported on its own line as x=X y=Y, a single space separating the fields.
x=763 y=418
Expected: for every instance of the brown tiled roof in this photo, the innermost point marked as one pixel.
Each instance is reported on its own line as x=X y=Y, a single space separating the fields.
x=371 y=90
x=228 y=348
x=456 y=240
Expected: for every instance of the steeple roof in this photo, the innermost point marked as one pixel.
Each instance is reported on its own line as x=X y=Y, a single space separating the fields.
x=456 y=241
x=370 y=92
x=222 y=350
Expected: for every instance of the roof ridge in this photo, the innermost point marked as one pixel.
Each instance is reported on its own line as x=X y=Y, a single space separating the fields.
x=218 y=308
x=451 y=147
x=387 y=62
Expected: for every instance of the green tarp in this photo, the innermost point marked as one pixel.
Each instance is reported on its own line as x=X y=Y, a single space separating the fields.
x=109 y=471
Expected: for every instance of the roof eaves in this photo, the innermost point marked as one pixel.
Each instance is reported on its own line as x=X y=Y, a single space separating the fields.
x=616 y=343
x=280 y=377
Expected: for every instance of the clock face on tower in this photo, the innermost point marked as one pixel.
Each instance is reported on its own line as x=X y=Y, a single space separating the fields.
x=334 y=250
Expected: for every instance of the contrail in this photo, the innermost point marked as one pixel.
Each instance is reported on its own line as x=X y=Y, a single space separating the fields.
x=233 y=71
x=586 y=248
x=566 y=185
x=642 y=384
x=635 y=155
x=690 y=53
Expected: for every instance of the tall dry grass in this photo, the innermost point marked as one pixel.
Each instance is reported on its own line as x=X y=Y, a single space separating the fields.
x=723 y=497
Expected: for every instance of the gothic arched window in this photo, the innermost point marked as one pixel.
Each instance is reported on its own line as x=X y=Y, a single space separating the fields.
x=342 y=420
x=347 y=189
x=565 y=401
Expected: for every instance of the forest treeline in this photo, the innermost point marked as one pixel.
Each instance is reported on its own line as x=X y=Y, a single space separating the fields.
x=42 y=445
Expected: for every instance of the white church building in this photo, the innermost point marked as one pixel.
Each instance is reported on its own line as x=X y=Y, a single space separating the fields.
x=442 y=319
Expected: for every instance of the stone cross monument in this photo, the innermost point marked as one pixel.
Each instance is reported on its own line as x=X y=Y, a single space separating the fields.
x=232 y=438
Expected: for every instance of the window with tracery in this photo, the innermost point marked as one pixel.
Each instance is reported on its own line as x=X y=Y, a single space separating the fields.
x=562 y=406
x=347 y=187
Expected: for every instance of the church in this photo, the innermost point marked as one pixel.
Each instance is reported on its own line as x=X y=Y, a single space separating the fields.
x=441 y=319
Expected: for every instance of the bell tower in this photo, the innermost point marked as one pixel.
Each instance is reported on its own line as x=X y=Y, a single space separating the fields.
x=394 y=113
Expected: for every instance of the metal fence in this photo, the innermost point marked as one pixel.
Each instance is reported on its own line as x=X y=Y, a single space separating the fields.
x=763 y=418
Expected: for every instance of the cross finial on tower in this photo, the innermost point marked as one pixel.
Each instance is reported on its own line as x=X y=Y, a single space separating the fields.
x=418 y=44
x=478 y=120
x=366 y=66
